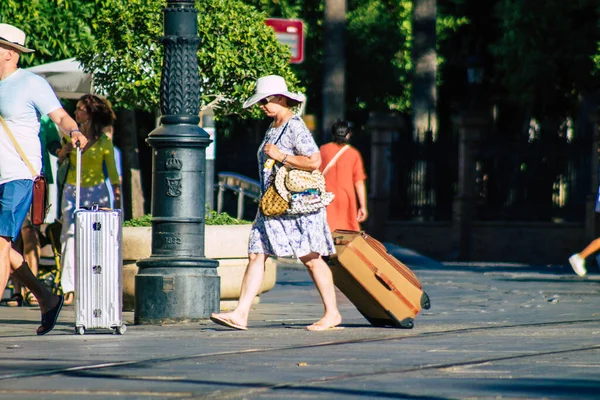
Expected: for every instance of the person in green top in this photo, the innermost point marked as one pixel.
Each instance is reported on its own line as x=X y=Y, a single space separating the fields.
x=93 y=114
x=51 y=143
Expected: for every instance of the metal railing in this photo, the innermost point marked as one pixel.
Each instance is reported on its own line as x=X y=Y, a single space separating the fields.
x=240 y=184
x=529 y=180
x=424 y=180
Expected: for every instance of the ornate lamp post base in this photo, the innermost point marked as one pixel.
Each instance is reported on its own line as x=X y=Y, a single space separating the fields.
x=177 y=283
x=168 y=294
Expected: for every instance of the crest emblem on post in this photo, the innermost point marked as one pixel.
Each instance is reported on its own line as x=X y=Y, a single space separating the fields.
x=173 y=163
x=173 y=187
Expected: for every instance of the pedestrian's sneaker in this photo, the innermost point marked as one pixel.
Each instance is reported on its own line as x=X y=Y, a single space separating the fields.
x=578 y=264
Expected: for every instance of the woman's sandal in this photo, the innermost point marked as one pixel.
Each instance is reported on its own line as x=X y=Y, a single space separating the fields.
x=69 y=298
x=16 y=300
x=31 y=300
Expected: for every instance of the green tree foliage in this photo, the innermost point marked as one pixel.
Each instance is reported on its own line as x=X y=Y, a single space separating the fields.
x=311 y=13
x=378 y=43
x=379 y=40
x=545 y=54
x=54 y=28
x=237 y=48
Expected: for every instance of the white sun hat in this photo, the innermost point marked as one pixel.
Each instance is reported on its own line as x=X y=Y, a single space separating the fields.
x=272 y=85
x=12 y=36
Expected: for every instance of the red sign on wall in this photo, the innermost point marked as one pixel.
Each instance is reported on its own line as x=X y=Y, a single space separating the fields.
x=291 y=33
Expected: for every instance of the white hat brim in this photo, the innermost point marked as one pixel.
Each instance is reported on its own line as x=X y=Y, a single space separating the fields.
x=259 y=96
x=16 y=46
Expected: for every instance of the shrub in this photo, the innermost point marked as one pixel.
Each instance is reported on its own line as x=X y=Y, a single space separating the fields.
x=212 y=218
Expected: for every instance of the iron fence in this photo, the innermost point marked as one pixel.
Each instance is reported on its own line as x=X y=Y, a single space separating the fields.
x=424 y=179
x=537 y=180
x=532 y=180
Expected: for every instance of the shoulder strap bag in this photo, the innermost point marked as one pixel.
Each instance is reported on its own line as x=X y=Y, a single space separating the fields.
x=270 y=162
x=298 y=180
x=39 y=204
x=335 y=158
x=272 y=203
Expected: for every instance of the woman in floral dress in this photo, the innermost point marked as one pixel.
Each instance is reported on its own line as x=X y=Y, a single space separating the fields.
x=305 y=236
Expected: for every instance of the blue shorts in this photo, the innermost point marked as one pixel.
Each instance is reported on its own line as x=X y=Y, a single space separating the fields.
x=15 y=202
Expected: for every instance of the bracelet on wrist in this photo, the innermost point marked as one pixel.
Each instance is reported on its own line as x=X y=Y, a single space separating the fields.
x=73 y=130
x=284 y=159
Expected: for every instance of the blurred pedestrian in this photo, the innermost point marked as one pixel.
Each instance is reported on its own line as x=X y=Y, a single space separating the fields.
x=24 y=96
x=109 y=131
x=344 y=172
x=29 y=242
x=93 y=114
x=577 y=260
x=305 y=236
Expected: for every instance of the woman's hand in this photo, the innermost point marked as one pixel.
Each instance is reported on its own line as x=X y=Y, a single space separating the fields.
x=117 y=194
x=64 y=152
x=272 y=151
x=362 y=214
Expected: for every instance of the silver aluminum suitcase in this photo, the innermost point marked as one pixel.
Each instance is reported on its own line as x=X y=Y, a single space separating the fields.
x=98 y=265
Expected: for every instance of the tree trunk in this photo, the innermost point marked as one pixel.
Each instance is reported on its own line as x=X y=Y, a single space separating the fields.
x=334 y=61
x=424 y=92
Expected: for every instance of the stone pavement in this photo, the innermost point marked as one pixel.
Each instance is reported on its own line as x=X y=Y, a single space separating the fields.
x=494 y=331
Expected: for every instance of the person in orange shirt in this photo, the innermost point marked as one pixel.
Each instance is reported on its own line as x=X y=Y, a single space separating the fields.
x=344 y=172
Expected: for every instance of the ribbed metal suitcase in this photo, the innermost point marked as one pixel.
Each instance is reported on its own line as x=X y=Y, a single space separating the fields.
x=98 y=265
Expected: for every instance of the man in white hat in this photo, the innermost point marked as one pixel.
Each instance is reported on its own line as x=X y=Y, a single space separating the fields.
x=24 y=96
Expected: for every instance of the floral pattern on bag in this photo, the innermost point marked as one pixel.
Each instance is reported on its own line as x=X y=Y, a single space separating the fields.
x=306 y=193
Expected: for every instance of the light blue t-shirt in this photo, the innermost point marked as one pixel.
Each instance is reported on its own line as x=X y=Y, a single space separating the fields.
x=23 y=97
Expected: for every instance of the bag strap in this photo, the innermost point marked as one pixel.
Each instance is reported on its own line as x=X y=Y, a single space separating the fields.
x=271 y=162
x=282 y=131
x=19 y=150
x=334 y=159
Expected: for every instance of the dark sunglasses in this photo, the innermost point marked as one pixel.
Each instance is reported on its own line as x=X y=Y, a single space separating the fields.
x=265 y=101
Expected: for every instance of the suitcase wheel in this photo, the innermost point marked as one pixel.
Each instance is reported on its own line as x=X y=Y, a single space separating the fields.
x=425 y=303
x=120 y=329
x=407 y=323
x=79 y=330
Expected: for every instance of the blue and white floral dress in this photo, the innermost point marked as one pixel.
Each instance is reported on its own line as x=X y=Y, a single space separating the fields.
x=289 y=235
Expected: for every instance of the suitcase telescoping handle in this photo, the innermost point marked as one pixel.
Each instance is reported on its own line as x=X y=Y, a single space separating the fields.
x=78 y=179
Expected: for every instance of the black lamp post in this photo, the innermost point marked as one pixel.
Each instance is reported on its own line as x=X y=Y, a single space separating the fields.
x=177 y=283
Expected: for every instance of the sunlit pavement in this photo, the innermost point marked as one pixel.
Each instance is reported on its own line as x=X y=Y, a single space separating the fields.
x=494 y=331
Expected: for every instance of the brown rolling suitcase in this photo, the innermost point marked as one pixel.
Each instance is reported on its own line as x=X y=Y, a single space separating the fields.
x=385 y=291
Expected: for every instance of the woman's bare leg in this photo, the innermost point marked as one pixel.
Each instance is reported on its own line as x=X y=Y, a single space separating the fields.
x=321 y=275
x=251 y=284
x=5 y=245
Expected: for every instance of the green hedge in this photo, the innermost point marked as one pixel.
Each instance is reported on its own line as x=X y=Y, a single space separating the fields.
x=212 y=218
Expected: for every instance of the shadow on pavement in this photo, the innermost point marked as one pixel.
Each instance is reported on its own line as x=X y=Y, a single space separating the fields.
x=254 y=387
x=540 y=388
x=417 y=261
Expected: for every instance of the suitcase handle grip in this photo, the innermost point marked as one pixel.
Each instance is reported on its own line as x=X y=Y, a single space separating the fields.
x=384 y=279
x=338 y=241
